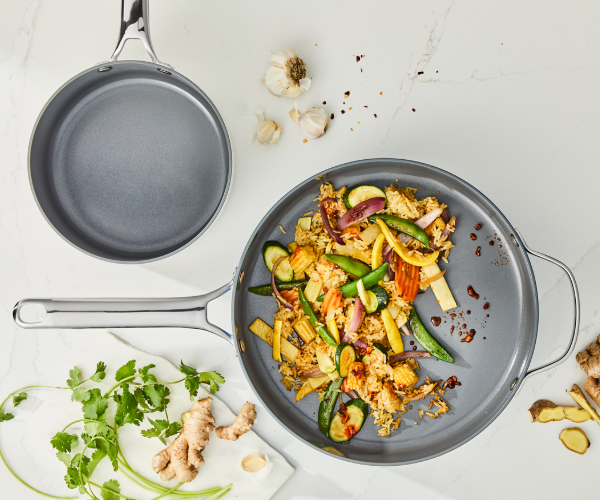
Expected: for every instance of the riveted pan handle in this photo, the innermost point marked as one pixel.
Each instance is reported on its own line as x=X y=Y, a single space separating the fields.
x=183 y=312
x=135 y=25
x=574 y=332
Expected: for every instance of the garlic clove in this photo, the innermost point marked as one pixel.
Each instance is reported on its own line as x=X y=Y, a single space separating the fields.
x=313 y=122
x=257 y=464
x=268 y=132
x=294 y=115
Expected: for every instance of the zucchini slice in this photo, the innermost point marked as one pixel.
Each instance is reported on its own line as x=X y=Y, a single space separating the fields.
x=366 y=359
x=358 y=194
x=273 y=250
x=378 y=299
x=345 y=355
x=340 y=431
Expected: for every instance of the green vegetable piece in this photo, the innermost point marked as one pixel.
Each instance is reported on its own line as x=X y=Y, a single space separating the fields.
x=312 y=317
x=19 y=398
x=370 y=280
x=351 y=266
x=345 y=355
x=340 y=431
x=380 y=347
x=273 y=250
x=424 y=338
x=267 y=291
x=127 y=370
x=381 y=295
x=357 y=194
x=328 y=404
x=404 y=226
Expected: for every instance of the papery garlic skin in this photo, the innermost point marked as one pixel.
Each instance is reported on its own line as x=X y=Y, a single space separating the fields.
x=268 y=132
x=313 y=122
x=287 y=75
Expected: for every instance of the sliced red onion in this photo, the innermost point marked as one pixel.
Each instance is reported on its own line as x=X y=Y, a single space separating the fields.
x=408 y=354
x=404 y=238
x=336 y=237
x=390 y=258
x=405 y=329
x=386 y=250
x=313 y=372
x=451 y=223
x=357 y=315
x=360 y=211
x=278 y=296
x=352 y=394
x=445 y=215
x=359 y=344
x=428 y=218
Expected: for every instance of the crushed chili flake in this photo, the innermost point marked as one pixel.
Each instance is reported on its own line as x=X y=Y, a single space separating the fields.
x=478 y=252
x=357 y=58
x=486 y=305
x=350 y=108
x=375 y=115
x=366 y=106
x=352 y=129
x=331 y=116
x=347 y=94
x=473 y=236
x=451 y=383
x=304 y=141
x=380 y=93
x=343 y=411
x=343 y=111
x=324 y=102
x=478 y=226
x=413 y=110
x=420 y=73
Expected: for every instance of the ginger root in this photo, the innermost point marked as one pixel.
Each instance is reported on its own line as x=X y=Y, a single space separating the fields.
x=589 y=361
x=575 y=440
x=242 y=424
x=183 y=457
x=544 y=411
x=582 y=401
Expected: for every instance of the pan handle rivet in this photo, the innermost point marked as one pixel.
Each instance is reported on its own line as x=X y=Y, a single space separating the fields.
x=242 y=345
x=514 y=240
x=164 y=71
x=514 y=382
x=104 y=69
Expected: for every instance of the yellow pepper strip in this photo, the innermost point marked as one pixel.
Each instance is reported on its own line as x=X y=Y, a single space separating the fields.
x=402 y=251
x=333 y=329
x=377 y=257
x=393 y=334
x=277 y=340
x=304 y=390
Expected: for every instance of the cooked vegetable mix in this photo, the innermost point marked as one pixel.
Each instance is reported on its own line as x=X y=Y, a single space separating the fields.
x=360 y=261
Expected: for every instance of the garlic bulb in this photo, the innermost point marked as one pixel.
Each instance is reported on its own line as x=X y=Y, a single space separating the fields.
x=313 y=122
x=287 y=75
x=268 y=132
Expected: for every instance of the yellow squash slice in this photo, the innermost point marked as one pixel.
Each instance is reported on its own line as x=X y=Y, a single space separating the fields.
x=393 y=334
x=402 y=250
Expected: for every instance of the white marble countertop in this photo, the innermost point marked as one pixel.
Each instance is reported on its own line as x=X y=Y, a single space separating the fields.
x=507 y=99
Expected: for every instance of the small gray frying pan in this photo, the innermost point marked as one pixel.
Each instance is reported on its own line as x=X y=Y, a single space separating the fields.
x=491 y=368
x=130 y=161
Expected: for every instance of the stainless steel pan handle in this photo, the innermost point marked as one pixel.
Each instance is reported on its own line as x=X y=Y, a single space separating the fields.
x=183 y=312
x=575 y=331
x=135 y=26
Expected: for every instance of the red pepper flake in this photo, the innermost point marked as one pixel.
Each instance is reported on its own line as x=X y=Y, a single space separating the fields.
x=380 y=93
x=471 y=291
x=343 y=411
x=478 y=252
x=324 y=102
x=477 y=226
x=357 y=58
x=473 y=236
x=469 y=311
x=331 y=116
x=420 y=73
x=366 y=106
x=352 y=129
x=375 y=115
x=451 y=383
x=414 y=110
x=467 y=339
x=343 y=111
x=484 y=338
x=486 y=305
x=491 y=243
x=304 y=141
x=414 y=348
x=350 y=431
x=346 y=94
x=412 y=342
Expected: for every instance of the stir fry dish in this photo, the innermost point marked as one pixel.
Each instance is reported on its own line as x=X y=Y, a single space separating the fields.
x=346 y=321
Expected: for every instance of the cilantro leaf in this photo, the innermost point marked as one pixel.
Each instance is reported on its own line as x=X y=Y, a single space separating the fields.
x=111 y=490
x=100 y=373
x=97 y=456
x=127 y=370
x=4 y=417
x=80 y=395
x=127 y=408
x=150 y=433
x=95 y=406
x=212 y=378
x=157 y=395
x=22 y=396
x=159 y=425
x=140 y=397
x=74 y=378
x=145 y=376
x=192 y=384
x=187 y=370
x=65 y=458
x=93 y=429
x=72 y=478
x=64 y=442
x=174 y=428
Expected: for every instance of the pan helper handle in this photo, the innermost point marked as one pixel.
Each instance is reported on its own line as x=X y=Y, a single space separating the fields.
x=135 y=25
x=182 y=312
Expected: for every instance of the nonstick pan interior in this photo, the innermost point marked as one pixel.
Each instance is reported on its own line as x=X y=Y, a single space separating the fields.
x=130 y=162
x=489 y=369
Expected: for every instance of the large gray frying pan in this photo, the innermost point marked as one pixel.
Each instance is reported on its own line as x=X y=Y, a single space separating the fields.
x=490 y=370
x=130 y=161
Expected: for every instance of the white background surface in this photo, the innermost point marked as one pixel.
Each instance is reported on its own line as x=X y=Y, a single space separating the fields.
x=508 y=100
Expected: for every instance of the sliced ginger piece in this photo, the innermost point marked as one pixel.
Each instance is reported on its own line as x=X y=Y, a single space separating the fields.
x=582 y=401
x=544 y=411
x=575 y=440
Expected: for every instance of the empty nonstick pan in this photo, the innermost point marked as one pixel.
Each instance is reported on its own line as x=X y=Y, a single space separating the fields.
x=491 y=368
x=130 y=161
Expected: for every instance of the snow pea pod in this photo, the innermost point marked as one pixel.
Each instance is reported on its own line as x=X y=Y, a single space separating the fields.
x=328 y=404
x=369 y=280
x=312 y=317
x=267 y=291
x=425 y=339
x=404 y=226
x=350 y=265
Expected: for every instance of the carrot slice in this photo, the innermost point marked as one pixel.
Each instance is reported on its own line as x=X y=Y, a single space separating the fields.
x=333 y=300
x=290 y=295
x=400 y=278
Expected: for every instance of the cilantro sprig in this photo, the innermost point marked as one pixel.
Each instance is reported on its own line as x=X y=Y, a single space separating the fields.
x=135 y=393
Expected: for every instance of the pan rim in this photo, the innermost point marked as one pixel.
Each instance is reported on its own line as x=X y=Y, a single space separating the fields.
x=526 y=361
x=224 y=197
